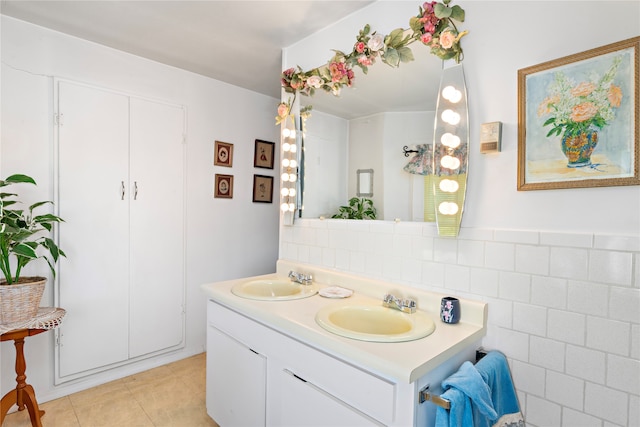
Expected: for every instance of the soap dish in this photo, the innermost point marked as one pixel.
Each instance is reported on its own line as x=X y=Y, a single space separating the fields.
x=335 y=292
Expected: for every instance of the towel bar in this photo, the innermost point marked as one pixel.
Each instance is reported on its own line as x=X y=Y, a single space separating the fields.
x=425 y=395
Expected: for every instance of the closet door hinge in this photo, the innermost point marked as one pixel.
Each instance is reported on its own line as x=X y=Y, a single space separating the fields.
x=58 y=119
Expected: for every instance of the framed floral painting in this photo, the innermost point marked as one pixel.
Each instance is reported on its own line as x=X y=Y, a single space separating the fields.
x=578 y=120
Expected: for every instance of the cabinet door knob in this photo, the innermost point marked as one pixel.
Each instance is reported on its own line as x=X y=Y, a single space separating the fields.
x=121 y=190
x=135 y=190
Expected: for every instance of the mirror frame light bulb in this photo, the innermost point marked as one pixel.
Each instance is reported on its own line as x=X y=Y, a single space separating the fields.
x=450 y=140
x=449 y=186
x=448 y=208
x=450 y=116
x=450 y=162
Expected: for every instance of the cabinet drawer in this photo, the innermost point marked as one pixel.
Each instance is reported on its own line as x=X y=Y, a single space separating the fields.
x=368 y=393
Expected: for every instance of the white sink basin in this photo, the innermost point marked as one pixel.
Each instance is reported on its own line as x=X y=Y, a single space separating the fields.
x=374 y=323
x=273 y=290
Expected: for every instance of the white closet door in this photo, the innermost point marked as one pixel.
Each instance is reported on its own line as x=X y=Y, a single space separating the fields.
x=93 y=279
x=157 y=218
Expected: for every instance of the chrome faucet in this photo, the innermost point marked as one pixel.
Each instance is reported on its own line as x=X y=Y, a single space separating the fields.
x=304 y=279
x=404 y=305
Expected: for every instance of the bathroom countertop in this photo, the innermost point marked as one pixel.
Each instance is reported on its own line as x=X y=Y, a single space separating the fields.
x=400 y=361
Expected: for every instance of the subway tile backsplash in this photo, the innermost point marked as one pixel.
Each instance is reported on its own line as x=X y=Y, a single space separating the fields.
x=563 y=307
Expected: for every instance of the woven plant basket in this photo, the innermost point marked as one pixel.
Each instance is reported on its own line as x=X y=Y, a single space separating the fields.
x=20 y=302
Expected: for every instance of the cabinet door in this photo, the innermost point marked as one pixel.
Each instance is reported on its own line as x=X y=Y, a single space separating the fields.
x=93 y=155
x=157 y=227
x=236 y=382
x=295 y=402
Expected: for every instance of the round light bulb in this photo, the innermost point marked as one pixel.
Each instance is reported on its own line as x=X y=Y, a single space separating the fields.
x=284 y=192
x=292 y=192
x=450 y=162
x=451 y=117
x=285 y=162
x=449 y=186
x=450 y=140
x=292 y=133
x=286 y=132
x=448 y=208
x=286 y=146
x=292 y=177
x=292 y=207
x=285 y=177
x=284 y=207
x=448 y=92
x=293 y=148
x=293 y=163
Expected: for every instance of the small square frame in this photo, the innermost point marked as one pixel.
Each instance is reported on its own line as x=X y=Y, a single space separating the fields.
x=223 y=187
x=263 y=154
x=262 y=189
x=223 y=155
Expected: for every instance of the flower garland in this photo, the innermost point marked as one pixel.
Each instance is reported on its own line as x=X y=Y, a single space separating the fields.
x=434 y=27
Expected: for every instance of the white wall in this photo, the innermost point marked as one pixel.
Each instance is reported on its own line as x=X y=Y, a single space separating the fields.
x=225 y=238
x=325 y=141
x=559 y=268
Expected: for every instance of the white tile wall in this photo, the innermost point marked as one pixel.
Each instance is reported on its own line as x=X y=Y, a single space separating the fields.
x=563 y=307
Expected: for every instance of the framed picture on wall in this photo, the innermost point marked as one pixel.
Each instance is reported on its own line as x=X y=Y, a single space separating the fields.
x=578 y=120
x=262 y=189
x=263 y=154
x=223 y=187
x=223 y=154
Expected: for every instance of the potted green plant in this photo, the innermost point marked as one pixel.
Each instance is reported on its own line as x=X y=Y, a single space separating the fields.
x=358 y=208
x=24 y=237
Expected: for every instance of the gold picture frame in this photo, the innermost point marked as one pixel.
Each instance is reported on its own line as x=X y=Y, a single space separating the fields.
x=223 y=155
x=578 y=120
x=223 y=187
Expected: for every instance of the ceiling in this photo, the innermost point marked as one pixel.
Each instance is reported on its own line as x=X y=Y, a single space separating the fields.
x=237 y=42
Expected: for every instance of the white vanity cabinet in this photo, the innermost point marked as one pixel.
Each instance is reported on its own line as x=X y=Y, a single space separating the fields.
x=298 y=385
x=280 y=381
x=120 y=189
x=273 y=360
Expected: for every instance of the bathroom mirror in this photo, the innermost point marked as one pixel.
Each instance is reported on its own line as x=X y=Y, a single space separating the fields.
x=366 y=127
x=382 y=109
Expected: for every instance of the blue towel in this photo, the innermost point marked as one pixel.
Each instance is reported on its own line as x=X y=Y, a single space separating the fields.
x=469 y=395
x=479 y=394
x=494 y=370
